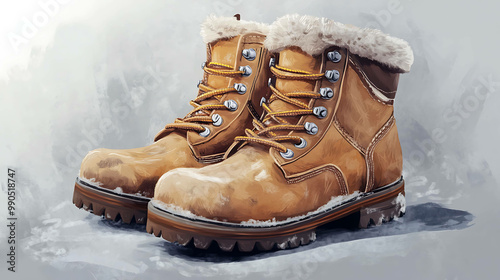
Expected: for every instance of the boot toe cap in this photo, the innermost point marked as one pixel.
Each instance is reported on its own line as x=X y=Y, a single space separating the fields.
x=107 y=169
x=192 y=190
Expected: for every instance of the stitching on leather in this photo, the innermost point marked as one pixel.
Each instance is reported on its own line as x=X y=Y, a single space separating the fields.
x=360 y=75
x=348 y=137
x=208 y=159
x=371 y=94
x=371 y=149
x=247 y=41
x=340 y=177
x=255 y=36
x=372 y=84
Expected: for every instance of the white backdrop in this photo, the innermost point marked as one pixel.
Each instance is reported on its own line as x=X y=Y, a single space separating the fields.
x=78 y=75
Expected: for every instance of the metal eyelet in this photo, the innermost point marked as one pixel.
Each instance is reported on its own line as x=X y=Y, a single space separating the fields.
x=326 y=93
x=231 y=105
x=311 y=128
x=287 y=155
x=302 y=144
x=216 y=120
x=269 y=81
x=332 y=75
x=203 y=65
x=249 y=54
x=247 y=70
x=334 y=56
x=272 y=62
x=205 y=132
x=240 y=88
x=199 y=83
x=320 y=112
x=262 y=101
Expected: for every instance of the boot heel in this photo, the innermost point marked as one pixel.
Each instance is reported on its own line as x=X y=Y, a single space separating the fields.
x=382 y=212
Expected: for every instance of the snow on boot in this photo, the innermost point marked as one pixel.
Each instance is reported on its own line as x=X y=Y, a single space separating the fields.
x=326 y=148
x=120 y=183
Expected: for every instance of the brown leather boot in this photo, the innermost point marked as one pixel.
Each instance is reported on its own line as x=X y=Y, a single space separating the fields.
x=120 y=183
x=328 y=147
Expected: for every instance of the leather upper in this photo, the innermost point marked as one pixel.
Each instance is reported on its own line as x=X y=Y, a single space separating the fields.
x=248 y=185
x=136 y=171
x=356 y=149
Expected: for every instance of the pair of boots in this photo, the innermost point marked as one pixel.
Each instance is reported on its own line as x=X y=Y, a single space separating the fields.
x=292 y=127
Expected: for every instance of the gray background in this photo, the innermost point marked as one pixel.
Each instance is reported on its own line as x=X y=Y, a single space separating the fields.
x=133 y=66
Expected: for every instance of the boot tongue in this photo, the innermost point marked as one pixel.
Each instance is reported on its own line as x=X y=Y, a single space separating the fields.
x=223 y=51
x=294 y=58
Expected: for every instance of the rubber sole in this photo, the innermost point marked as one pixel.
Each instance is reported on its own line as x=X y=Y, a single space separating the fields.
x=374 y=208
x=112 y=206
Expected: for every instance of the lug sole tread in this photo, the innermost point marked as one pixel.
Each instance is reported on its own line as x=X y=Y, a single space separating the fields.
x=99 y=205
x=376 y=213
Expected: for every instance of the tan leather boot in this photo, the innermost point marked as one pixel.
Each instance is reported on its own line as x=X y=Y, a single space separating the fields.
x=120 y=183
x=327 y=148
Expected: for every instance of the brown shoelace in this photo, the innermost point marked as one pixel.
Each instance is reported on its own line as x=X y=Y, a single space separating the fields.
x=264 y=131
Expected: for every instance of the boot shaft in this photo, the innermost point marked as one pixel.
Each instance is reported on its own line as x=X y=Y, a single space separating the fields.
x=352 y=126
x=232 y=45
x=240 y=52
x=365 y=118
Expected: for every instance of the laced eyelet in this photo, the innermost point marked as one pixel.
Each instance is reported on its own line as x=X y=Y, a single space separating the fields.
x=265 y=135
x=262 y=101
x=311 y=128
x=320 y=112
x=247 y=70
x=216 y=120
x=199 y=83
x=334 y=56
x=203 y=65
x=272 y=62
x=302 y=144
x=326 y=93
x=270 y=82
x=287 y=155
x=205 y=132
x=240 y=88
x=231 y=105
x=332 y=75
x=249 y=54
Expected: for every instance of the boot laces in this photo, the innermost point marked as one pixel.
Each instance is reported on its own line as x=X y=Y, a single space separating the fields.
x=264 y=132
x=201 y=113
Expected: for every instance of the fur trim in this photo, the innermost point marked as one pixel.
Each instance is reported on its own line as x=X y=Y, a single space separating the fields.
x=314 y=34
x=215 y=28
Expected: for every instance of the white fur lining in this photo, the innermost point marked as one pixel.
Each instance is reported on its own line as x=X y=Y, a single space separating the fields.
x=215 y=28
x=313 y=35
